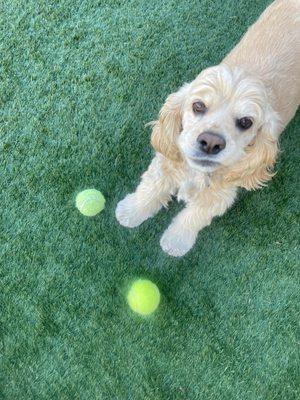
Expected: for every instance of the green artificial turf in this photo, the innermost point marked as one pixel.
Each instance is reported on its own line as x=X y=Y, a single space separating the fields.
x=78 y=82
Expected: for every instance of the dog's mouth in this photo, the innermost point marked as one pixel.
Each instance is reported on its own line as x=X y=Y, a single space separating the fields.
x=204 y=163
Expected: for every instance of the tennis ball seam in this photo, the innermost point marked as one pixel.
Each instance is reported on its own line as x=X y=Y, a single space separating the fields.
x=90 y=202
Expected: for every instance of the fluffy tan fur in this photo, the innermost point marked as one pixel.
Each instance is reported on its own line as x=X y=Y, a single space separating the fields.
x=256 y=167
x=167 y=128
x=260 y=78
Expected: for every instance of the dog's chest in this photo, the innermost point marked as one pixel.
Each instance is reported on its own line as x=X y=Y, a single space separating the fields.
x=191 y=185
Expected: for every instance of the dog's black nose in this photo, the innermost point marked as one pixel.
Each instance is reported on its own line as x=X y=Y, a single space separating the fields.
x=211 y=143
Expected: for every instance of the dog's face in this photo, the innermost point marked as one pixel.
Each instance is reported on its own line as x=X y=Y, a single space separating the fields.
x=223 y=119
x=221 y=114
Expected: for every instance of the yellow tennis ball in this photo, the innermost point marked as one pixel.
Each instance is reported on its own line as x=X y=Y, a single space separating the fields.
x=90 y=202
x=143 y=297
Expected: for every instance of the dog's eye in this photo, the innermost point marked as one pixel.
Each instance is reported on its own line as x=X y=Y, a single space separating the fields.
x=199 y=107
x=244 y=123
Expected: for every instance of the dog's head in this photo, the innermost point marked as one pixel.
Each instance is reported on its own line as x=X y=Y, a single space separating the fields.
x=220 y=120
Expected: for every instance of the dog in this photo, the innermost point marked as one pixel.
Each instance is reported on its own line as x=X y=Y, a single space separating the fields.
x=220 y=132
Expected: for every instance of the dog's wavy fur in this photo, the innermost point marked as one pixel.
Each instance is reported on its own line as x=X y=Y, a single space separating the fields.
x=167 y=128
x=262 y=73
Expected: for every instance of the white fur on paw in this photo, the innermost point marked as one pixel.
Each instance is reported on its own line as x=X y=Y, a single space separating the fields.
x=128 y=214
x=176 y=241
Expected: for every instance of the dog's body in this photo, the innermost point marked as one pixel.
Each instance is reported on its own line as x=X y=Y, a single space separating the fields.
x=270 y=51
x=220 y=132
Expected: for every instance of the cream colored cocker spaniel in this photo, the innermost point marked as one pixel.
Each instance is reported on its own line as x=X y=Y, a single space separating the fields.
x=220 y=132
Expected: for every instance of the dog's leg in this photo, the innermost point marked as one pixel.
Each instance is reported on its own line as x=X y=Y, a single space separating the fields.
x=154 y=191
x=181 y=235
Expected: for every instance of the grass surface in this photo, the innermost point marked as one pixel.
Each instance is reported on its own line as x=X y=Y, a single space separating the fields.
x=78 y=81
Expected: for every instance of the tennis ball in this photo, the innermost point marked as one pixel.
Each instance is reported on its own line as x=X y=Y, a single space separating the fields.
x=90 y=202
x=143 y=297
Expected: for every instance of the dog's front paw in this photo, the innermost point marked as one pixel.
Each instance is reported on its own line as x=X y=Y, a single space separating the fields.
x=177 y=241
x=129 y=213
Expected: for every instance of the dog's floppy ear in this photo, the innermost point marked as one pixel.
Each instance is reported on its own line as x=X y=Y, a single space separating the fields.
x=167 y=128
x=256 y=167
